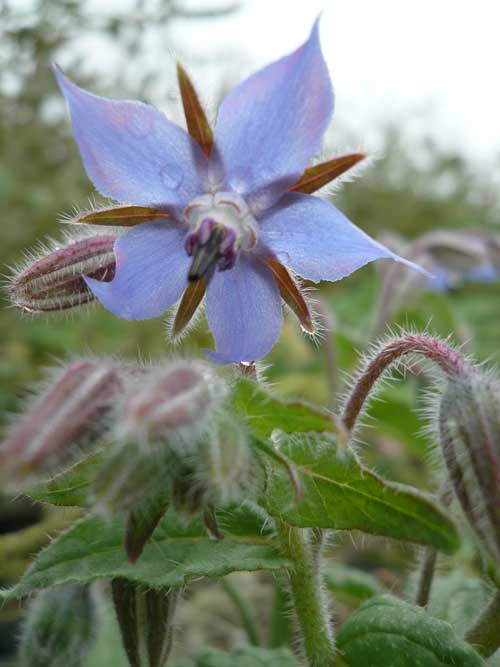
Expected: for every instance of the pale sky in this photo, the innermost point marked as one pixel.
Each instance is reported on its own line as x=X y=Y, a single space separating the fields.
x=432 y=66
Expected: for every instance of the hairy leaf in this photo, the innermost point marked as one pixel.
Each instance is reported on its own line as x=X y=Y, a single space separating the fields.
x=69 y=488
x=350 y=583
x=387 y=632
x=265 y=412
x=179 y=551
x=339 y=492
x=247 y=656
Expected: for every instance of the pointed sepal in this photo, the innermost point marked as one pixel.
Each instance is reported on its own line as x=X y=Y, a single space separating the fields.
x=317 y=176
x=121 y=216
x=189 y=304
x=291 y=294
x=141 y=524
x=196 y=118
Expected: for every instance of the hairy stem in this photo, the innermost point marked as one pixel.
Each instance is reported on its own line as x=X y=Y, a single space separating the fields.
x=449 y=361
x=307 y=597
x=427 y=569
x=429 y=557
x=485 y=633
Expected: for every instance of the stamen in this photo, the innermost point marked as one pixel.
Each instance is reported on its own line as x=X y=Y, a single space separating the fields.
x=211 y=246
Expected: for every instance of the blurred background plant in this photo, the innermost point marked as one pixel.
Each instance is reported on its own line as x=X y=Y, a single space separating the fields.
x=430 y=202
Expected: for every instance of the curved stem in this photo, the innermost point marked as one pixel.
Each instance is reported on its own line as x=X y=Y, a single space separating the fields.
x=307 y=596
x=448 y=360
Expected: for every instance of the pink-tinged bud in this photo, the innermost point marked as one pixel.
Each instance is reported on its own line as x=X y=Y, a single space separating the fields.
x=174 y=399
x=469 y=429
x=55 y=282
x=60 y=424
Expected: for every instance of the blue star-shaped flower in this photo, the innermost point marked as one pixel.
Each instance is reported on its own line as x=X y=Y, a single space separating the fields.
x=230 y=216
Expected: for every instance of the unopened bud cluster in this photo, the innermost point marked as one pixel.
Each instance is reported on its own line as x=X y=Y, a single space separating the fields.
x=60 y=628
x=174 y=434
x=469 y=429
x=55 y=281
x=59 y=425
x=169 y=401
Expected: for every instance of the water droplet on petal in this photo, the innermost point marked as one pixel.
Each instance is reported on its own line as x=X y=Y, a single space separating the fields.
x=241 y=179
x=140 y=125
x=171 y=175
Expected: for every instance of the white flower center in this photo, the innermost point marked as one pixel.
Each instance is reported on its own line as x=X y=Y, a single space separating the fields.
x=226 y=209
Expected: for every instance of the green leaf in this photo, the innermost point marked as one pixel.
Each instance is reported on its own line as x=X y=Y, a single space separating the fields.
x=69 y=488
x=350 y=583
x=457 y=598
x=265 y=413
x=387 y=632
x=340 y=493
x=178 y=551
x=248 y=656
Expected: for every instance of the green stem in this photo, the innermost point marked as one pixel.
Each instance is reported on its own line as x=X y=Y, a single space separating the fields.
x=307 y=596
x=485 y=634
x=245 y=615
x=427 y=569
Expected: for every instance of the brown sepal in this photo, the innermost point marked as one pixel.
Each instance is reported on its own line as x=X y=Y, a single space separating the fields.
x=189 y=303
x=196 y=119
x=122 y=216
x=291 y=294
x=317 y=176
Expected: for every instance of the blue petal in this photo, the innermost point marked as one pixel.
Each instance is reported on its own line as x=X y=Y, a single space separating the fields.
x=244 y=311
x=317 y=241
x=131 y=151
x=151 y=272
x=270 y=126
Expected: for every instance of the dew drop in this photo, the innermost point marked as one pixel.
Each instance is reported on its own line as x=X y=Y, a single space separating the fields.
x=171 y=175
x=241 y=179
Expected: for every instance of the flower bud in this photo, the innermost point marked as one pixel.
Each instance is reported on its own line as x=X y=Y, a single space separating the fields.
x=54 y=281
x=146 y=619
x=219 y=471
x=469 y=428
x=60 y=628
x=172 y=401
x=66 y=418
x=130 y=476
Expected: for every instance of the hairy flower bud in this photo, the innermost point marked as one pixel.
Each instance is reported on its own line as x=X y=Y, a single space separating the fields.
x=146 y=618
x=220 y=470
x=60 y=628
x=129 y=477
x=58 y=425
x=54 y=281
x=469 y=427
x=171 y=401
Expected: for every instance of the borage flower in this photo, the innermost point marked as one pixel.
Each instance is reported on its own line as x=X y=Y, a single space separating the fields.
x=223 y=213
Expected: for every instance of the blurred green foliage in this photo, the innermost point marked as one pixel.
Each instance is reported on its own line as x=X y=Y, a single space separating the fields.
x=411 y=190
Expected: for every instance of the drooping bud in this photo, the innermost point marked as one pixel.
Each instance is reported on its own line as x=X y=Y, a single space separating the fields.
x=171 y=401
x=59 y=425
x=146 y=619
x=54 y=281
x=469 y=429
x=60 y=628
